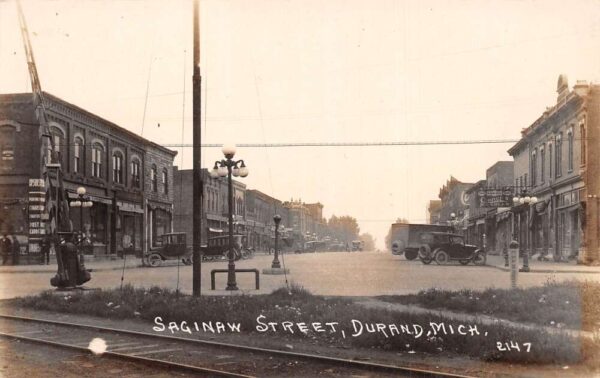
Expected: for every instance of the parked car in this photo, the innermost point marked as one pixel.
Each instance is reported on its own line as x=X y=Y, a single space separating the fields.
x=218 y=248
x=406 y=237
x=171 y=246
x=443 y=247
x=357 y=245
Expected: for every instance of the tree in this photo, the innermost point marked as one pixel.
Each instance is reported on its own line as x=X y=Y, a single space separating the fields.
x=344 y=228
x=368 y=241
x=388 y=237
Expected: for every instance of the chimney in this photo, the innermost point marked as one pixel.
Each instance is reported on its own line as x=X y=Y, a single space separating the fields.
x=581 y=88
x=562 y=88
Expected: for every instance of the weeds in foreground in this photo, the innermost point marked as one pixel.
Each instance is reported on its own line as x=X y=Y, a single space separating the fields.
x=298 y=305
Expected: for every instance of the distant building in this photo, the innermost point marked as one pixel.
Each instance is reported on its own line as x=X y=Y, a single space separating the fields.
x=127 y=178
x=454 y=203
x=260 y=210
x=433 y=211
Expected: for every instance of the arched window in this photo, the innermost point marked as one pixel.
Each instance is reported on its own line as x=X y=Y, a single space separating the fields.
x=165 y=180
x=542 y=164
x=153 y=178
x=97 y=157
x=583 y=142
x=558 y=169
x=7 y=146
x=58 y=138
x=570 y=150
x=550 y=161
x=117 y=165
x=534 y=167
x=135 y=173
x=78 y=155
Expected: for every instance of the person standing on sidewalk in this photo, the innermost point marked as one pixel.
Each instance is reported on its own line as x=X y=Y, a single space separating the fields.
x=45 y=255
x=16 y=250
x=5 y=248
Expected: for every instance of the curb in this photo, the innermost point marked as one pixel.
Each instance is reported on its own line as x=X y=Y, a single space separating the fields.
x=545 y=270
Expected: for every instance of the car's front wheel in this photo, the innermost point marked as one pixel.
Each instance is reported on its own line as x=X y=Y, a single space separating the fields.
x=154 y=260
x=464 y=262
x=441 y=257
x=479 y=258
x=411 y=255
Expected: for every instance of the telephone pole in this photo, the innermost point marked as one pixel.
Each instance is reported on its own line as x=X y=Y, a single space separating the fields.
x=197 y=168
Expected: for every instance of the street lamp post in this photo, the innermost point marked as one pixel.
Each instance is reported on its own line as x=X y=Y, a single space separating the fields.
x=524 y=199
x=81 y=202
x=276 y=264
x=229 y=167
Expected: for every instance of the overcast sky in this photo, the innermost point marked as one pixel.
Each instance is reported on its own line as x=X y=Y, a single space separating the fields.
x=317 y=71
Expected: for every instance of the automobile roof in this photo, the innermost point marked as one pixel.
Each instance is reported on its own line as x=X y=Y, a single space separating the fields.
x=442 y=233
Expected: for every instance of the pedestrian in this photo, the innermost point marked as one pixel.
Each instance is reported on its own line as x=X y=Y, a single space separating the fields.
x=16 y=250
x=45 y=255
x=5 y=248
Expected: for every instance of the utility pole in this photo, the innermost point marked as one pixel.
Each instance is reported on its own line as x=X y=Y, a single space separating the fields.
x=197 y=168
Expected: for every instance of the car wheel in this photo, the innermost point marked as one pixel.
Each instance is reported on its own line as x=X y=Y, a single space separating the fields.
x=411 y=255
x=464 y=262
x=187 y=261
x=479 y=258
x=426 y=260
x=441 y=257
x=154 y=260
x=425 y=252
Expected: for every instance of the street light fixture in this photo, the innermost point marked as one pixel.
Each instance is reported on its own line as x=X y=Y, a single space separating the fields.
x=228 y=167
x=276 y=264
x=524 y=199
x=81 y=202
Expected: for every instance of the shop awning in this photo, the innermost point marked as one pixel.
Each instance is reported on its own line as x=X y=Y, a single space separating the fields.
x=92 y=198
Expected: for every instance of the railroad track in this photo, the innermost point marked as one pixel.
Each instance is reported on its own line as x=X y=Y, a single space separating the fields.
x=208 y=358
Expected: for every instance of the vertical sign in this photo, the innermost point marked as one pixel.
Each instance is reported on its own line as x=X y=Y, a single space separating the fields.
x=37 y=216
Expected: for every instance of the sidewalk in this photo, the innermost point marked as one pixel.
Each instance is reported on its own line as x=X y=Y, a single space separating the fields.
x=537 y=266
x=90 y=263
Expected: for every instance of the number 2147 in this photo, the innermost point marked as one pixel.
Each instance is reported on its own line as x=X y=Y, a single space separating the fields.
x=509 y=346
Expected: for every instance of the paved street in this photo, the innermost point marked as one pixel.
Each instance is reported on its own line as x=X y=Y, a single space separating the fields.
x=342 y=273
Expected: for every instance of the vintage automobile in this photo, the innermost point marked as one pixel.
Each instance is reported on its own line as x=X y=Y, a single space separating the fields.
x=170 y=246
x=443 y=247
x=357 y=245
x=218 y=248
x=406 y=237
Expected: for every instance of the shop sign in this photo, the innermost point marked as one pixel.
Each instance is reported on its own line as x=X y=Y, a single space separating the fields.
x=495 y=197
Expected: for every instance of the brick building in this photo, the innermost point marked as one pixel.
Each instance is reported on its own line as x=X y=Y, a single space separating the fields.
x=127 y=178
x=557 y=161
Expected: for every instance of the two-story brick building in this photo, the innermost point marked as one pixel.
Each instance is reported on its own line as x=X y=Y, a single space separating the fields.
x=127 y=178
x=556 y=161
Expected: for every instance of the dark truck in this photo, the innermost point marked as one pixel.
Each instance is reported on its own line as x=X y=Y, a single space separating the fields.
x=406 y=237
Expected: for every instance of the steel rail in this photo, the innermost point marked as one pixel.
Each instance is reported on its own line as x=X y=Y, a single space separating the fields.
x=363 y=365
x=146 y=360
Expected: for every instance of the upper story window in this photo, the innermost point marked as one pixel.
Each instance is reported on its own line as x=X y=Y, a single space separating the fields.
x=153 y=178
x=583 y=142
x=78 y=154
x=165 y=181
x=58 y=137
x=550 y=161
x=542 y=164
x=534 y=167
x=7 y=146
x=97 y=156
x=135 y=173
x=570 y=150
x=117 y=162
x=558 y=168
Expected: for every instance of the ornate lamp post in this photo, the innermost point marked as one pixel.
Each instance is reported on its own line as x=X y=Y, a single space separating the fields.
x=524 y=199
x=276 y=264
x=81 y=202
x=229 y=167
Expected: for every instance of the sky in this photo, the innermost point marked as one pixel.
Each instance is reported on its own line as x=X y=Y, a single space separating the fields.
x=278 y=71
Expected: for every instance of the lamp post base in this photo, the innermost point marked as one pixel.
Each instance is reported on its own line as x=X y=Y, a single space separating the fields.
x=232 y=287
x=275 y=271
x=524 y=269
